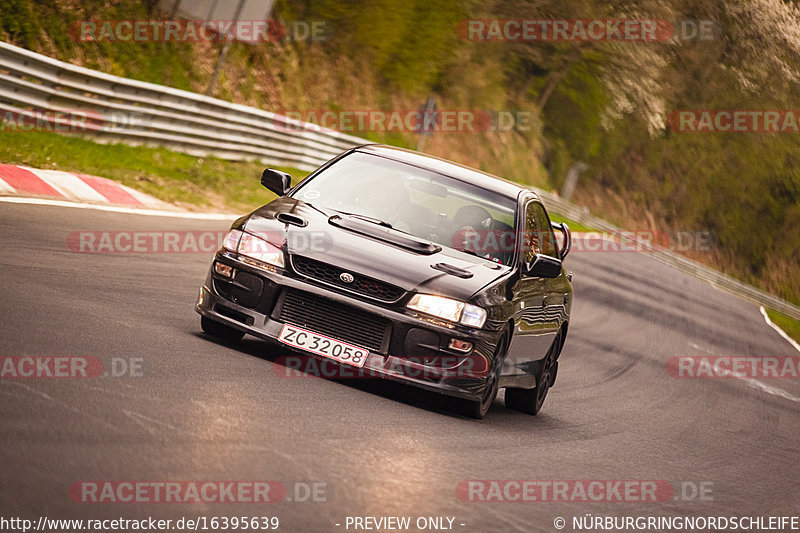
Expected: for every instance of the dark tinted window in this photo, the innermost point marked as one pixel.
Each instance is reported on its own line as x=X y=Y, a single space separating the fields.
x=539 y=237
x=420 y=202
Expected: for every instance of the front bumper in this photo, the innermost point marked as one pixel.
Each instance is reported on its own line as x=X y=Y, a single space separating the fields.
x=412 y=350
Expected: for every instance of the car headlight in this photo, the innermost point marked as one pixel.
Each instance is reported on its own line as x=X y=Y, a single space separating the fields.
x=254 y=247
x=448 y=309
x=261 y=250
x=231 y=241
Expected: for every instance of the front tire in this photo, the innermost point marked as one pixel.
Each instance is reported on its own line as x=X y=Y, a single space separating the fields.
x=220 y=331
x=478 y=409
x=530 y=401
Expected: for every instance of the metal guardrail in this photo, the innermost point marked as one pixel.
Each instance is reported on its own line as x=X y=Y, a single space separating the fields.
x=698 y=270
x=135 y=112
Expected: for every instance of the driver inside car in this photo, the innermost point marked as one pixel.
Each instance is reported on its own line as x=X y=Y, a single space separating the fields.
x=479 y=233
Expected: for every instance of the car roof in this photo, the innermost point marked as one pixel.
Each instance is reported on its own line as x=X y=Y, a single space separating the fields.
x=464 y=173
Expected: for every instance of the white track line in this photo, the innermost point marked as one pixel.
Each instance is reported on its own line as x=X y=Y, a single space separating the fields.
x=782 y=333
x=752 y=382
x=116 y=209
x=769 y=389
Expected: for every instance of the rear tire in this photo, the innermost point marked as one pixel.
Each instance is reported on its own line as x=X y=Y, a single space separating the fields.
x=220 y=331
x=530 y=401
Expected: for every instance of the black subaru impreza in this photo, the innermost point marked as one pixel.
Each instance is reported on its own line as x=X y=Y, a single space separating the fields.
x=406 y=267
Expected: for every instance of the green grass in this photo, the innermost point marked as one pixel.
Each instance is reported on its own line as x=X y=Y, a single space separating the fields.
x=185 y=180
x=189 y=181
x=788 y=324
x=573 y=225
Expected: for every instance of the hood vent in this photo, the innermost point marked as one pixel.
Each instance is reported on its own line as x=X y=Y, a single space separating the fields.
x=453 y=270
x=385 y=234
x=294 y=220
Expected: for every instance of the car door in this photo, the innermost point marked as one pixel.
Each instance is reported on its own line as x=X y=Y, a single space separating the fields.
x=535 y=300
x=555 y=290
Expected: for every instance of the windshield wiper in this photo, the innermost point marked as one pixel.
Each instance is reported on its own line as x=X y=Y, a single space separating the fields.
x=374 y=220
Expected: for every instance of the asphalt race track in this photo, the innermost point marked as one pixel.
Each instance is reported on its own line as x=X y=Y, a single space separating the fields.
x=200 y=410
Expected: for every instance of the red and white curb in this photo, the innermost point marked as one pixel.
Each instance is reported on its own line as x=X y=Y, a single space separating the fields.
x=25 y=181
x=25 y=185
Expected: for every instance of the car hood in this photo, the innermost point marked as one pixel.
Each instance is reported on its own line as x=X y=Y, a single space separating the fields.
x=383 y=259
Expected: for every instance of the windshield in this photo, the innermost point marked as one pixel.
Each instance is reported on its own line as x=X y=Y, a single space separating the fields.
x=422 y=203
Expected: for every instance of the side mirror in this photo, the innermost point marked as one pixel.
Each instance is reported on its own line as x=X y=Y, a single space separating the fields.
x=544 y=266
x=276 y=181
x=566 y=244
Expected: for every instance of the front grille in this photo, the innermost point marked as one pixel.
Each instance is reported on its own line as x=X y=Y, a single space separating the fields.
x=329 y=274
x=335 y=320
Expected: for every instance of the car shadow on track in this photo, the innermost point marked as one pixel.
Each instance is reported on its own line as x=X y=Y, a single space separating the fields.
x=419 y=398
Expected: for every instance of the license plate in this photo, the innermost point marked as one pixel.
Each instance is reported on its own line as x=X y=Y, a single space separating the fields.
x=324 y=346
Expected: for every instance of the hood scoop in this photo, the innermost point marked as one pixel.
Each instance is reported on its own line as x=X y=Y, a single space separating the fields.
x=453 y=270
x=294 y=220
x=387 y=235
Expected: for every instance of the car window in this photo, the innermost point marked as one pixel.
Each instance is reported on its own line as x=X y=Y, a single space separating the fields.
x=539 y=237
x=425 y=204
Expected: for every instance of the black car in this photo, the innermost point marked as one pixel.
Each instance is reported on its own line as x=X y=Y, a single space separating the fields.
x=406 y=267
